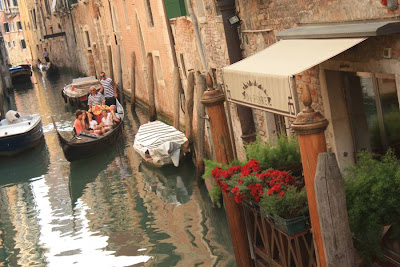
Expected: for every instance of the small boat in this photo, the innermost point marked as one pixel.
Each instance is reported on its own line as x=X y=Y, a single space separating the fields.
x=84 y=145
x=21 y=73
x=160 y=144
x=18 y=133
x=77 y=92
x=43 y=67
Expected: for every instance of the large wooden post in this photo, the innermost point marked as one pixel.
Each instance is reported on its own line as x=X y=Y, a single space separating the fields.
x=201 y=87
x=309 y=127
x=150 y=86
x=133 y=80
x=214 y=101
x=189 y=107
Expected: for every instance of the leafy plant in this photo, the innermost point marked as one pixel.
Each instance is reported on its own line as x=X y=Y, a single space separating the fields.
x=284 y=153
x=291 y=204
x=373 y=197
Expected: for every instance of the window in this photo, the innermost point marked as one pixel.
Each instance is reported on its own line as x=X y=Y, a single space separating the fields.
x=19 y=25
x=175 y=8
x=1 y=5
x=23 y=44
x=13 y=42
x=6 y=27
x=15 y=3
x=9 y=45
x=217 y=11
x=150 y=20
x=158 y=68
x=33 y=14
x=48 y=9
x=87 y=39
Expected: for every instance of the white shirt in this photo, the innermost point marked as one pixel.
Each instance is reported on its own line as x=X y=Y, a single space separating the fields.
x=107 y=121
x=92 y=124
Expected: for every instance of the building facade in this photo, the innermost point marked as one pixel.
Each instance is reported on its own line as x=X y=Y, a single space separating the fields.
x=13 y=34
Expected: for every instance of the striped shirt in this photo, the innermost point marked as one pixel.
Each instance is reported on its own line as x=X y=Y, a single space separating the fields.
x=98 y=99
x=108 y=87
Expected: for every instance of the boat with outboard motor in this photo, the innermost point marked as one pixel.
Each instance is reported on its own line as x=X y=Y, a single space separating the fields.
x=20 y=73
x=76 y=93
x=18 y=133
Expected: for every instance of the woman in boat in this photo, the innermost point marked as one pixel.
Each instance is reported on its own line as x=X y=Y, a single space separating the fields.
x=78 y=125
x=93 y=125
x=85 y=121
x=114 y=114
x=106 y=121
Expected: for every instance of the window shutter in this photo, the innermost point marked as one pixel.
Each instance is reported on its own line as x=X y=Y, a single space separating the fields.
x=175 y=8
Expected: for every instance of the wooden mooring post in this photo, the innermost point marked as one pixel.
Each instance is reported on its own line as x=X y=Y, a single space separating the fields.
x=150 y=87
x=133 y=80
x=200 y=87
x=214 y=101
x=189 y=107
x=331 y=205
x=309 y=127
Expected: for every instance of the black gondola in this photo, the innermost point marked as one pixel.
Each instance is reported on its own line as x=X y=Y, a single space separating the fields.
x=85 y=145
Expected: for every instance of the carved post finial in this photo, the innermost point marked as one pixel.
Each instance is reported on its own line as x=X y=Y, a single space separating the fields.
x=307 y=101
x=209 y=82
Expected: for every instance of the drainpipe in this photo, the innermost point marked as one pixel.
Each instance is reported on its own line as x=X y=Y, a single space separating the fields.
x=228 y=8
x=197 y=33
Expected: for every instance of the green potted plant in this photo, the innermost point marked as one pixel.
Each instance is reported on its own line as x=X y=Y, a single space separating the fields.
x=373 y=197
x=288 y=208
x=282 y=155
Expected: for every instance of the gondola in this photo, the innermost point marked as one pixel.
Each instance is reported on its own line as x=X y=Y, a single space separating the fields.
x=83 y=146
x=77 y=92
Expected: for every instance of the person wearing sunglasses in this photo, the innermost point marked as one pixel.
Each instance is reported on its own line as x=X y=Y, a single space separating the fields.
x=108 y=89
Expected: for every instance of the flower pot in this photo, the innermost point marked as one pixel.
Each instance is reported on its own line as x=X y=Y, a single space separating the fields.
x=292 y=226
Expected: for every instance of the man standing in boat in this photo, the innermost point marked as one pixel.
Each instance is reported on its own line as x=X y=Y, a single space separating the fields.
x=46 y=55
x=108 y=89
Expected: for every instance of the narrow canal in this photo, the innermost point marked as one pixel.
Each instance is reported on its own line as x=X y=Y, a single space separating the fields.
x=109 y=210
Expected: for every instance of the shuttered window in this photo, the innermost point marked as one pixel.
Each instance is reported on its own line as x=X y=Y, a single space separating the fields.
x=175 y=8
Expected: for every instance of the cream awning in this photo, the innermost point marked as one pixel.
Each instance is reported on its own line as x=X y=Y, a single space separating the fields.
x=263 y=80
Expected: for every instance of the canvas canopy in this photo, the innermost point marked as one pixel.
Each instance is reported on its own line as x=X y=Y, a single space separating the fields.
x=264 y=81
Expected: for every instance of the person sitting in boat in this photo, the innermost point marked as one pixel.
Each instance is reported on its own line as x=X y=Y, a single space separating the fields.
x=95 y=98
x=107 y=120
x=85 y=121
x=94 y=127
x=78 y=125
x=114 y=113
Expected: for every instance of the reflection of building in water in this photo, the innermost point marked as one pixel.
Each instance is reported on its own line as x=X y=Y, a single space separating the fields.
x=19 y=221
x=171 y=189
x=188 y=226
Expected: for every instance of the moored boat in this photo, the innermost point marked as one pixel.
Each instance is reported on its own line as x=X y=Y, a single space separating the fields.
x=19 y=133
x=77 y=92
x=20 y=73
x=87 y=145
x=160 y=144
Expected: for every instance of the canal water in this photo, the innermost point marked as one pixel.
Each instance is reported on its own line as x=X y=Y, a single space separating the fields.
x=109 y=210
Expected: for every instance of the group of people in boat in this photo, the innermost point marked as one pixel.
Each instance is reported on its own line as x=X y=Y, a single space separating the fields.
x=102 y=114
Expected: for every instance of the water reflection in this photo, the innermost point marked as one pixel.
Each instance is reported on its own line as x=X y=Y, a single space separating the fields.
x=109 y=210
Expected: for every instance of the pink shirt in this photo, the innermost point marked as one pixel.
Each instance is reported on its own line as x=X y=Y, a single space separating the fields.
x=78 y=126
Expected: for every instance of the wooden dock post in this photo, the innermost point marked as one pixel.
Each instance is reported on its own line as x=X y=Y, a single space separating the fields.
x=133 y=80
x=214 y=101
x=189 y=107
x=331 y=204
x=309 y=127
x=177 y=91
x=150 y=84
x=200 y=87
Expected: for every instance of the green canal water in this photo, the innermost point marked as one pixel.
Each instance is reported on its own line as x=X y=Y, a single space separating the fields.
x=109 y=210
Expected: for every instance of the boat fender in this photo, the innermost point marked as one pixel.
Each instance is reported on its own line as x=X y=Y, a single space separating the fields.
x=12 y=116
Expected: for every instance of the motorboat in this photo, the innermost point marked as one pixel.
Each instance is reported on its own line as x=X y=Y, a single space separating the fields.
x=20 y=73
x=18 y=133
x=160 y=144
x=77 y=92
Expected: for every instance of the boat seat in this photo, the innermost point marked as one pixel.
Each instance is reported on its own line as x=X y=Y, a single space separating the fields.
x=89 y=135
